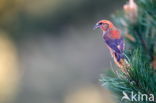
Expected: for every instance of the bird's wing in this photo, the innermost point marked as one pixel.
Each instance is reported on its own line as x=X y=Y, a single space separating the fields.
x=116 y=44
x=120 y=44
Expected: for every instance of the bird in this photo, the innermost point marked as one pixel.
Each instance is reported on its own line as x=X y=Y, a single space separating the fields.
x=114 y=41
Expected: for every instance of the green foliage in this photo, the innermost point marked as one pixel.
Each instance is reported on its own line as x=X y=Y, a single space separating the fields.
x=141 y=76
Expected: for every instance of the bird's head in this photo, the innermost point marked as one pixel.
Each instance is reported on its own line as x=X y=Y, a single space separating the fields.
x=104 y=25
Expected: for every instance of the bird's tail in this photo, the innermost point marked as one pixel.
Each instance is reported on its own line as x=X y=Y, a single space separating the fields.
x=122 y=61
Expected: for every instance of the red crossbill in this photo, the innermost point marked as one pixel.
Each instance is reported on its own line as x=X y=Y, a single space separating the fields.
x=114 y=41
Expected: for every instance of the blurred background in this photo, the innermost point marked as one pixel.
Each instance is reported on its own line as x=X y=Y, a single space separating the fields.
x=49 y=52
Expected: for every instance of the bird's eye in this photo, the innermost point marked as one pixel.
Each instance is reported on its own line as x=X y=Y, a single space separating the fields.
x=100 y=23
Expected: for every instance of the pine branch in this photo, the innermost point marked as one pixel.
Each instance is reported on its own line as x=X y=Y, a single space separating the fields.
x=141 y=78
